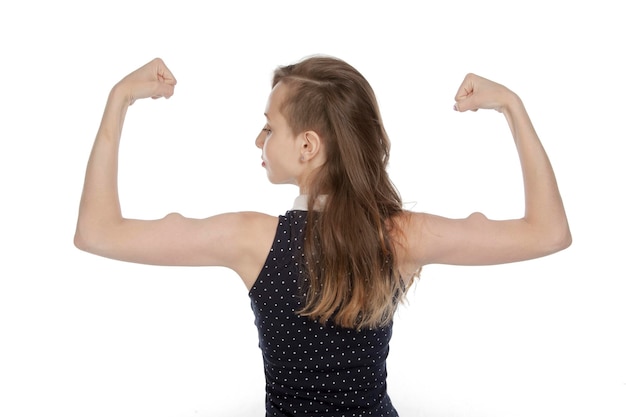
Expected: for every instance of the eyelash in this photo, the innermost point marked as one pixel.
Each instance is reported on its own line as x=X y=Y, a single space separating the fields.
x=267 y=130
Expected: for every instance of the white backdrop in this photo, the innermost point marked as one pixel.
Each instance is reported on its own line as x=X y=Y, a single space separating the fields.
x=82 y=335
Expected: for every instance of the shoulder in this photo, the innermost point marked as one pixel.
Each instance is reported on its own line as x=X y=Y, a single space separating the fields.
x=240 y=231
x=246 y=241
x=427 y=238
x=406 y=229
x=249 y=226
x=246 y=220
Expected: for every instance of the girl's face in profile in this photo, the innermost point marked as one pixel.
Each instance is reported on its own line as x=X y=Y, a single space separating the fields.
x=281 y=150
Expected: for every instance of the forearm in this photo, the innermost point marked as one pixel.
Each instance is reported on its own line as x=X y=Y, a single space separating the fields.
x=544 y=210
x=99 y=205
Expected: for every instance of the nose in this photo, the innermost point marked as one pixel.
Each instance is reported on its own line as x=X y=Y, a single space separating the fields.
x=260 y=140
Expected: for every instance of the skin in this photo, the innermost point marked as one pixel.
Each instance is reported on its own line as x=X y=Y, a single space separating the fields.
x=293 y=159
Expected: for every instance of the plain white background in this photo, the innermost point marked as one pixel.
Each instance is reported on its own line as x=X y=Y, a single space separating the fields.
x=87 y=336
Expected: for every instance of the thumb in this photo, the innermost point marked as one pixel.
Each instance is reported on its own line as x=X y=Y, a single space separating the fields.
x=162 y=89
x=465 y=104
x=464 y=97
x=154 y=89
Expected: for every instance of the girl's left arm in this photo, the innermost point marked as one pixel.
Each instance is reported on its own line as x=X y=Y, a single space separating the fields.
x=174 y=239
x=100 y=212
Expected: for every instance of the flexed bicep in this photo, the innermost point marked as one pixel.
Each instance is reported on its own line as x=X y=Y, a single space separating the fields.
x=475 y=240
x=239 y=241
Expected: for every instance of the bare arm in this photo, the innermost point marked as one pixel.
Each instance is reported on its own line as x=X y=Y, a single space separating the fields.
x=173 y=240
x=478 y=240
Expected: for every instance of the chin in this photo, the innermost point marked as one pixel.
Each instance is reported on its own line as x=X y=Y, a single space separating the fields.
x=279 y=181
x=272 y=180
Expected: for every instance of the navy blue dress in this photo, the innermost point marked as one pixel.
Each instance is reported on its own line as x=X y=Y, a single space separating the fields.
x=313 y=369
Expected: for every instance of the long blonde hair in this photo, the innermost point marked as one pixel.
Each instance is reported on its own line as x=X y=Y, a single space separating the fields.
x=352 y=275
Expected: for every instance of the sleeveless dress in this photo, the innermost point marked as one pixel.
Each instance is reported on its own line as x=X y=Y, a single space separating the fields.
x=313 y=369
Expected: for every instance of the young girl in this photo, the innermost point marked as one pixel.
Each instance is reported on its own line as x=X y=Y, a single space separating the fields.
x=324 y=279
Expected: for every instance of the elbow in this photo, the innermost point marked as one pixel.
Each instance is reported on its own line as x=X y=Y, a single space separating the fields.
x=566 y=240
x=81 y=240
x=563 y=237
x=549 y=234
x=557 y=239
x=89 y=238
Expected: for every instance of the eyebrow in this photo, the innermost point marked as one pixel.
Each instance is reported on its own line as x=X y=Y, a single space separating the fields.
x=266 y=116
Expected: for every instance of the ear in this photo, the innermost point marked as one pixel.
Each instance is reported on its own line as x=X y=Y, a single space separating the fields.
x=311 y=146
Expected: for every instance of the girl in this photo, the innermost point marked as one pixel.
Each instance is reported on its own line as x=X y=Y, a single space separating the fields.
x=325 y=278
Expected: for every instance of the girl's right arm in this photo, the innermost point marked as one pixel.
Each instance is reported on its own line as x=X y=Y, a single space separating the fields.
x=477 y=240
x=239 y=241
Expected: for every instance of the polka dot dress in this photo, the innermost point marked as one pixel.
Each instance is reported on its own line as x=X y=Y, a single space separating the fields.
x=313 y=369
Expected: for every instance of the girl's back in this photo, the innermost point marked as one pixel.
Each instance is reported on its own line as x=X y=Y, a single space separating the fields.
x=311 y=368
